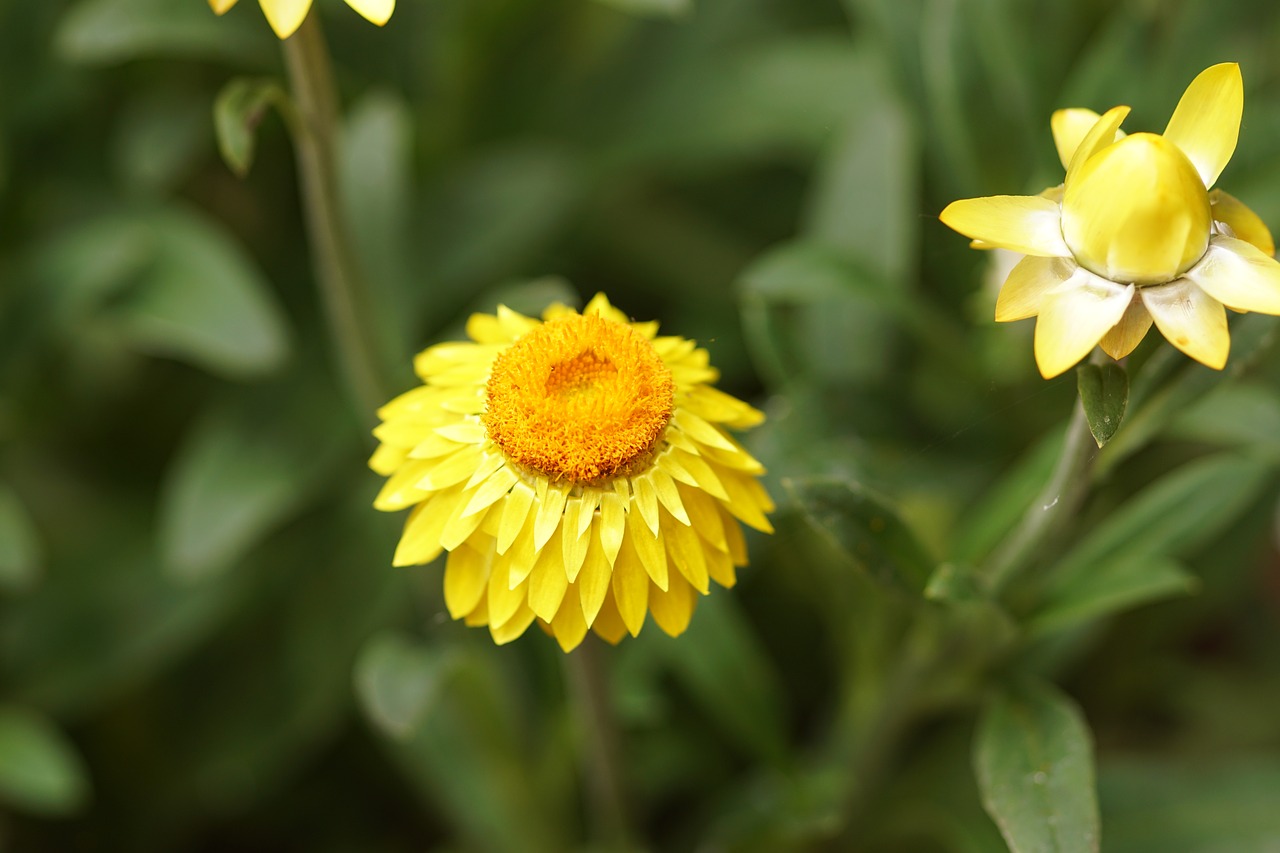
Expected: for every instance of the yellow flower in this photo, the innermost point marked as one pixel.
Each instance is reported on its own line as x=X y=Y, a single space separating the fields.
x=1133 y=234
x=286 y=15
x=577 y=470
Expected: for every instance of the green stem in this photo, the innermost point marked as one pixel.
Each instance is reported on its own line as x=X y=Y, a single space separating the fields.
x=1052 y=508
x=601 y=756
x=346 y=313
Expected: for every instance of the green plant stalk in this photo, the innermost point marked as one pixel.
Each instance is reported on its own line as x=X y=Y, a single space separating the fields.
x=345 y=309
x=1053 y=507
x=601 y=758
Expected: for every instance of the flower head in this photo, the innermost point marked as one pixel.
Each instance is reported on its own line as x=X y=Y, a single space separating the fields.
x=1133 y=235
x=577 y=471
x=286 y=15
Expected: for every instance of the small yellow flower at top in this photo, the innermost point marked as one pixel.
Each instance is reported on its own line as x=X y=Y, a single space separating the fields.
x=285 y=16
x=1133 y=235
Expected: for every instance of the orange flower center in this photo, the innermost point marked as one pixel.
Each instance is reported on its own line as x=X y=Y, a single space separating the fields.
x=579 y=398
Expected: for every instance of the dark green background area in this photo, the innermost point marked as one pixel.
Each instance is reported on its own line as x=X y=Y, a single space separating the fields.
x=203 y=645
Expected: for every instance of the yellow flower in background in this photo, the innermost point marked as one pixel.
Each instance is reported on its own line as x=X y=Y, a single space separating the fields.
x=576 y=470
x=286 y=15
x=1133 y=235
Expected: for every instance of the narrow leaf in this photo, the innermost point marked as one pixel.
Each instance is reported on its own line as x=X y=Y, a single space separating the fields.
x=1033 y=756
x=1104 y=393
x=1114 y=585
x=40 y=771
x=20 y=551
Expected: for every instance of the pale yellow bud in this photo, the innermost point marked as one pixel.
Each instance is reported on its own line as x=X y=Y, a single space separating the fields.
x=1137 y=211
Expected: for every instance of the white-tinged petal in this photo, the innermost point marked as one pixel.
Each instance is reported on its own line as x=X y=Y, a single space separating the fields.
x=1104 y=132
x=377 y=11
x=1027 y=284
x=1074 y=317
x=1206 y=122
x=1125 y=336
x=285 y=15
x=1192 y=320
x=1239 y=276
x=1022 y=223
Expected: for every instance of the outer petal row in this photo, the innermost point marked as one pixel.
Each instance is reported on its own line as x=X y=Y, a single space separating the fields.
x=1073 y=318
x=1239 y=276
x=1031 y=225
x=1206 y=122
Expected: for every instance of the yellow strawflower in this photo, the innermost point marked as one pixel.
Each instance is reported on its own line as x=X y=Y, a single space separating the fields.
x=577 y=471
x=286 y=15
x=1133 y=235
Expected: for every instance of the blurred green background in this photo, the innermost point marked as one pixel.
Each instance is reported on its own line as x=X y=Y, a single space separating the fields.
x=203 y=645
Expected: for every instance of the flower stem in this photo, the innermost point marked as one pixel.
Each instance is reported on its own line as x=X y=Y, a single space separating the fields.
x=1054 y=506
x=601 y=758
x=346 y=313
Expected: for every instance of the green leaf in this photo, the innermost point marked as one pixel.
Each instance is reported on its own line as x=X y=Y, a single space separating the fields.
x=654 y=8
x=21 y=557
x=242 y=470
x=202 y=300
x=40 y=770
x=1104 y=393
x=730 y=675
x=1118 y=584
x=452 y=722
x=1033 y=757
x=398 y=682
x=1181 y=510
x=238 y=110
x=161 y=140
x=114 y=31
x=1237 y=414
x=863 y=527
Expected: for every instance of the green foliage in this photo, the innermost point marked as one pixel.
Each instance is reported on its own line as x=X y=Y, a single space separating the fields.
x=203 y=644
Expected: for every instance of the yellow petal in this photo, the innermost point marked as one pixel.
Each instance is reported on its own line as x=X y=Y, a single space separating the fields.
x=1070 y=127
x=547 y=581
x=221 y=6
x=1240 y=218
x=285 y=15
x=1125 y=336
x=569 y=626
x=504 y=602
x=684 y=550
x=1028 y=282
x=1074 y=318
x=515 y=510
x=1206 y=123
x=1239 y=276
x=593 y=580
x=513 y=627
x=377 y=11
x=1192 y=320
x=631 y=588
x=609 y=625
x=1022 y=223
x=1103 y=133
x=466 y=575
x=673 y=609
x=653 y=556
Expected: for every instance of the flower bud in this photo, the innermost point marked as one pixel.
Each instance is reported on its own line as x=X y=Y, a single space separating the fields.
x=1137 y=211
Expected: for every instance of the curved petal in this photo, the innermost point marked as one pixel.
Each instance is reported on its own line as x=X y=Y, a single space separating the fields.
x=220 y=6
x=377 y=11
x=1206 y=123
x=1103 y=133
x=1243 y=222
x=1239 y=276
x=1074 y=317
x=1192 y=320
x=1028 y=283
x=1125 y=336
x=1070 y=127
x=285 y=15
x=1023 y=223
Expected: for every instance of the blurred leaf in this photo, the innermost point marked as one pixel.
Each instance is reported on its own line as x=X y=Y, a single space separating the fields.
x=398 y=682
x=1114 y=585
x=731 y=676
x=21 y=557
x=160 y=139
x=863 y=527
x=238 y=110
x=657 y=8
x=1234 y=414
x=203 y=300
x=1104 y=393
x=242 y=470
x=1181 y=510
x=40 y=770
x=1033 y=756
x=996 y=513
x=1152 y=805
x=113 y=31
x=463 y=748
